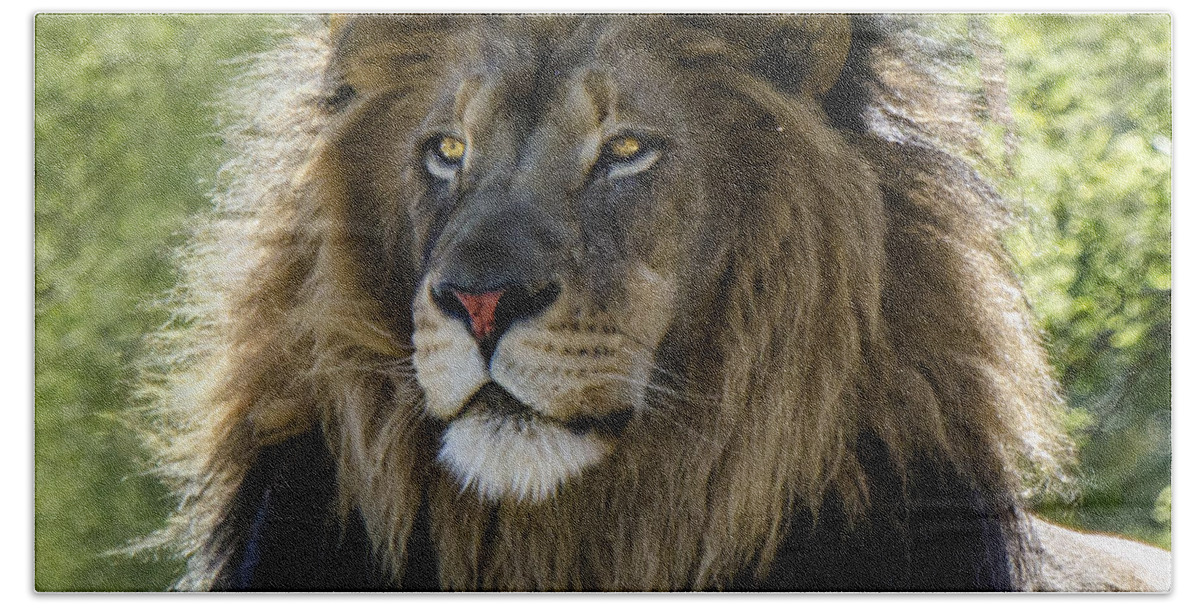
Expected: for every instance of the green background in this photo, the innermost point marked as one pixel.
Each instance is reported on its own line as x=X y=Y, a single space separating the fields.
x=126 y=143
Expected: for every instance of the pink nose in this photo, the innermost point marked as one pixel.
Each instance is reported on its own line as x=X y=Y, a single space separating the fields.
x=481 y=309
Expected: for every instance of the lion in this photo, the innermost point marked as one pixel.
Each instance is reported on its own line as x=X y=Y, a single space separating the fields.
x=609 y=302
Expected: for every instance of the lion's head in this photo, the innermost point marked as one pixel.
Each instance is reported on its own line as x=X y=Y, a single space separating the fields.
x=553 y=216
x=624 y=292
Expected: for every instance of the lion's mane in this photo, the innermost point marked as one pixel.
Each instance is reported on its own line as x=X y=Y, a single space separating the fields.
x=916 y=333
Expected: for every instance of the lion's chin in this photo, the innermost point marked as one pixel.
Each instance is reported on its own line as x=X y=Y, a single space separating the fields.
x=514 y=457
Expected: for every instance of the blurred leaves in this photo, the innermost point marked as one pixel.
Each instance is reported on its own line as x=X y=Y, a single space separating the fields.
x=122 y=132
x=1091 y=95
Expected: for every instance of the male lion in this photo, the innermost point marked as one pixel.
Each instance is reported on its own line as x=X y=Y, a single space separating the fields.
x=609 y=302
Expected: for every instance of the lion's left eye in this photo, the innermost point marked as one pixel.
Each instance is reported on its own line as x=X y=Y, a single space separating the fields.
x=444 y=156
x=625 y=155
x=624 y=147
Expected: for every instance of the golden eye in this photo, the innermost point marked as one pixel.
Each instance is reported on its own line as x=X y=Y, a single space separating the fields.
x=623 y=147
x=452 y=149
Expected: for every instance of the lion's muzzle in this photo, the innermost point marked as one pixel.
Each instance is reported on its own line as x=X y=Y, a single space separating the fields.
x=521 y=418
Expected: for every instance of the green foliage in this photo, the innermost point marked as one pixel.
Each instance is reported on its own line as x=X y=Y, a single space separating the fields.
x=1092 y=100
x=124 y=137
x=123 y=129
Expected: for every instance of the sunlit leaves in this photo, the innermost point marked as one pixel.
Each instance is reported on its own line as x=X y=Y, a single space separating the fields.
x=1092 y=99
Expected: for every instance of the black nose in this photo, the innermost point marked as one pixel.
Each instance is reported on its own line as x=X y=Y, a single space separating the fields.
x=489 y=311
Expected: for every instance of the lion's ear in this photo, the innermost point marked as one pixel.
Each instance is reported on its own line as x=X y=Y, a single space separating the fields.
x=804 y=53
x=800 y=54
x=371 y=50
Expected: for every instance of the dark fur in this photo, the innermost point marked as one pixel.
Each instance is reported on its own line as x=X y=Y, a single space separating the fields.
x=933 y=533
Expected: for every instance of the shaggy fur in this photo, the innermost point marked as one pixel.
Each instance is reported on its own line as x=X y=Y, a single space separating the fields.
x=836 y=275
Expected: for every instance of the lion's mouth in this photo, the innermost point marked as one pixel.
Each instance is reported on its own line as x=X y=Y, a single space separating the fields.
x=493 y=401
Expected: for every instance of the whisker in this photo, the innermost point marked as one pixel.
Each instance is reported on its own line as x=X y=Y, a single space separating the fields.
x=682 y=395
x=662 y=409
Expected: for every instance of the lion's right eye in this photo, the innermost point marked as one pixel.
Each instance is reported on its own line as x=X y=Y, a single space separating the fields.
x=444 y=156
x=626 y=154
x=624 y=147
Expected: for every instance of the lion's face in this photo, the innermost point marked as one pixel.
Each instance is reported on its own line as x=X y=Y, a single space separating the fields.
x=549 y=198
x=542 y=296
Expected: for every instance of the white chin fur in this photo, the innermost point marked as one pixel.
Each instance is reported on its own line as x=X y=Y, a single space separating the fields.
x=525 y=460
